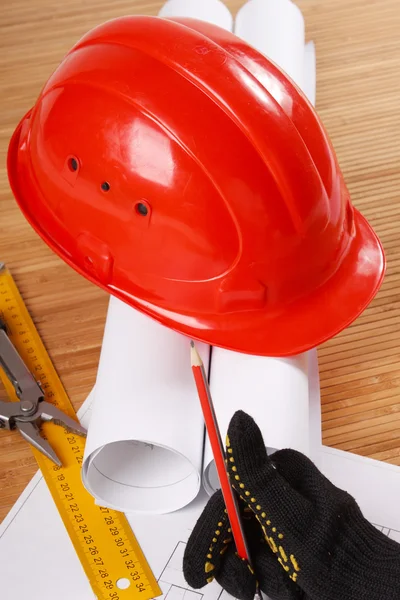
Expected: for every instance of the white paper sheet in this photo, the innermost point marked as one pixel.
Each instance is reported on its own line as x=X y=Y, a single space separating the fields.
x=145 y=441
x=213 y=11
x=54 y=571
x=275 y=28
x=274 y=391
x=375 y=485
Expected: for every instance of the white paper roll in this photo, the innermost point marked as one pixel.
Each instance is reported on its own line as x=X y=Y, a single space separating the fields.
x=310 y=73
x=274 y=391
x=314 y=407
x=145 y=441
x=275 y=28
x=213 y=11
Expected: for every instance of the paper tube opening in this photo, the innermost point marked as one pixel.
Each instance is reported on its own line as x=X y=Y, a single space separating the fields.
x=142 y=477
x=210 y=476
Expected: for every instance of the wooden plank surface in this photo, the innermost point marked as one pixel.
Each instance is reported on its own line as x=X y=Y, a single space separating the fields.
x=358 y=56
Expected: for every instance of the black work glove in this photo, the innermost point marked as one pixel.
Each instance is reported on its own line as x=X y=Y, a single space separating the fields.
x=308 y=539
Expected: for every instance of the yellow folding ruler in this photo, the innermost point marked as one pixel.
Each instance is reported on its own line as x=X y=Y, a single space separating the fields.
x=103 y=540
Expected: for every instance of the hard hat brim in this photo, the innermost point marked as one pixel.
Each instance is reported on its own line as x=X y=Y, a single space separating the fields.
x=304 y=324
x=298 y=327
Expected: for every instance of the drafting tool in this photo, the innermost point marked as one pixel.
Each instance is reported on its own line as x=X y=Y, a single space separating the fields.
x=102 y=538
x=217 y=447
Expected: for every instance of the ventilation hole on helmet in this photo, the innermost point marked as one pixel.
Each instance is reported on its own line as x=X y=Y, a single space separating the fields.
x=142 y=209
x=105 y=186
x=73 y=164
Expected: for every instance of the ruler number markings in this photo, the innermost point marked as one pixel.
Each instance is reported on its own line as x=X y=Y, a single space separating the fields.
x=77 y=517
x=136 y=574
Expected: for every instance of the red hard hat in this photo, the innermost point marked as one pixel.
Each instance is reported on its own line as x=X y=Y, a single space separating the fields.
x=175 y=166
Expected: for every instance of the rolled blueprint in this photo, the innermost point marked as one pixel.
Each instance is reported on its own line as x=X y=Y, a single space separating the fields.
x=145 y=440
x=275 y=392
x=275 y=28
x=213 y=11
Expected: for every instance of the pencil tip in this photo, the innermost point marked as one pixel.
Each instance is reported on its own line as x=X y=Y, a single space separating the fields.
x=195 y=356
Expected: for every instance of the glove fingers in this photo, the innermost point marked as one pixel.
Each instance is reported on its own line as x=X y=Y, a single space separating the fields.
x=207 y=543
x=236 y=577
x=239 y=580
x=248 y=460
x=273 y=580
x=300 y=472
x=305 y=477
x=210 y=553
x=254 y=475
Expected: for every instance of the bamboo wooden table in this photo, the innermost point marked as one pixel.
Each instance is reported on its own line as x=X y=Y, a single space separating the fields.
x=358 y=98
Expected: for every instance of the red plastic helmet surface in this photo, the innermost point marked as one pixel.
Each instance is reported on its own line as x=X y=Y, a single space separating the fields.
x=179 y=169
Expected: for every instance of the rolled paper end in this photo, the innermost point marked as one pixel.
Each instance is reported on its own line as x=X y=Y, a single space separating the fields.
x=140 y=477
